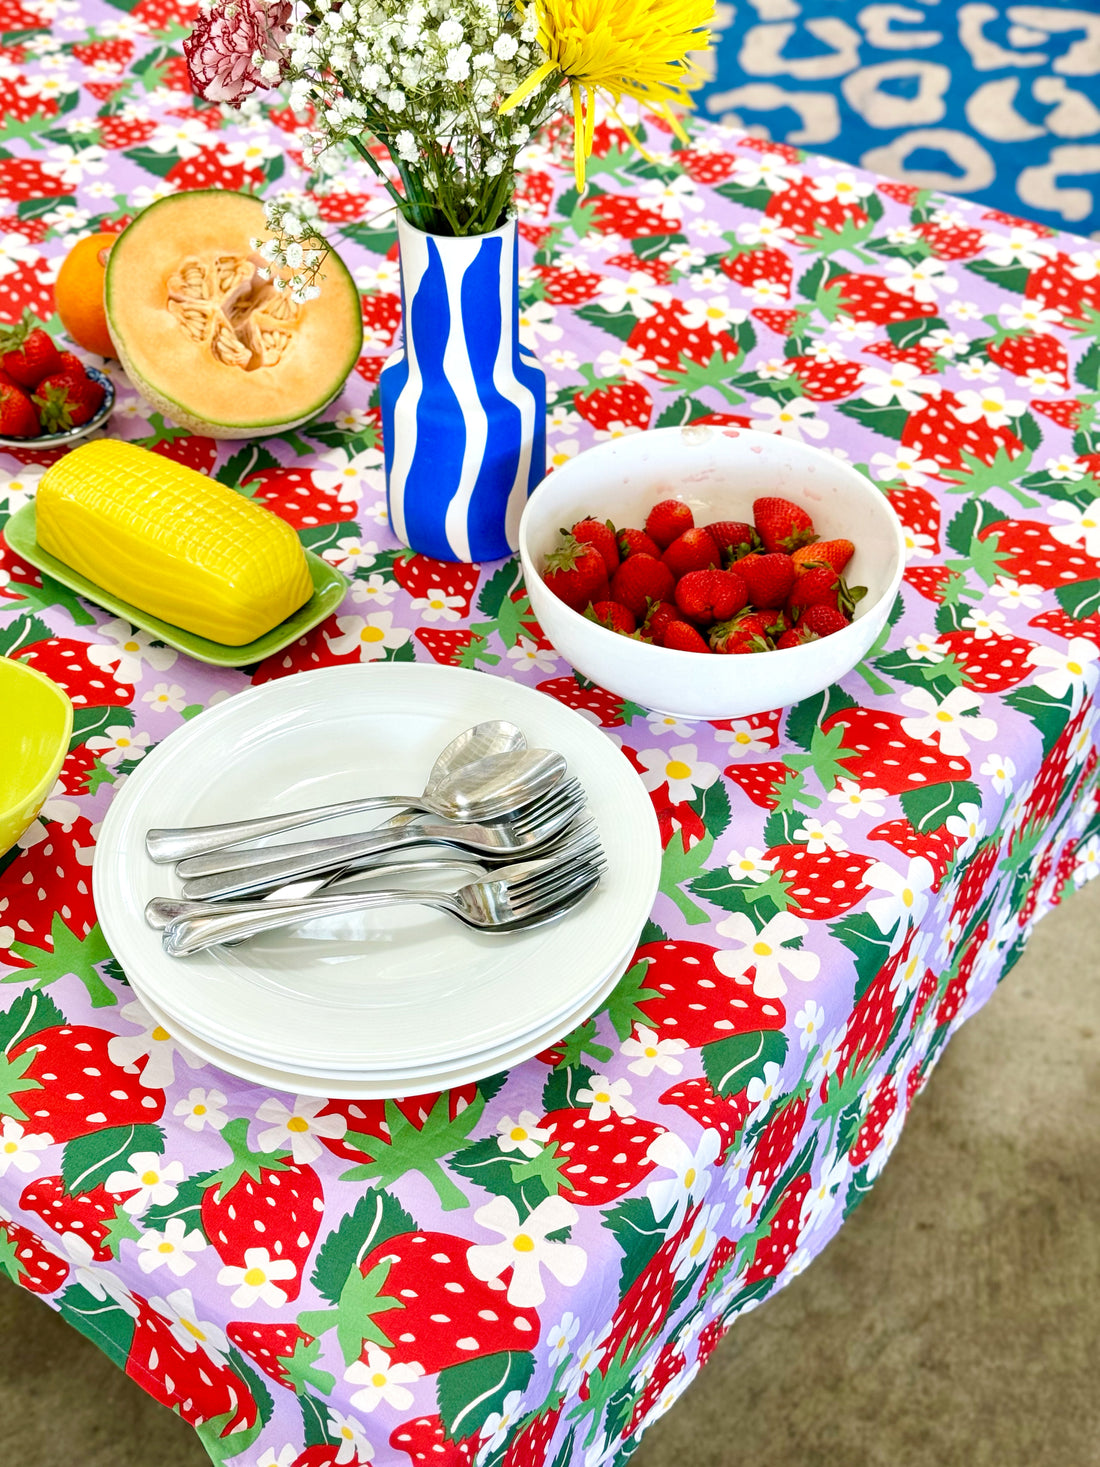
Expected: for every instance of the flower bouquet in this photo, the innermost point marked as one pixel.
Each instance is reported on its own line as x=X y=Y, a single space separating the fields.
x=439 y=97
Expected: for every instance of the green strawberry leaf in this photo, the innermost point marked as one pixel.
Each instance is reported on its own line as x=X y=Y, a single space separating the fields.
x=70 y=956
x=622 y=1006
x=101 y=1320
x=712 y=805
x=374 y=1219
x=581 y=1041
x=511 y=1175
x=1008 y=277
x=256 y=1385
x=88 y=1161
x=729 y=1064
x=827 y=755
x=968 y=522
x=909 y=333
x=748 y=196
x=88 y=722
x=186 y=1204
x=806 y=717
x=858 y=1189
x=1088 y=368
x=499 y=587
x=1080 y=599
x=409 y=1148
x=869 y=946
x=360 y=1300
x=1049 y=715
x=638 y=1234
x=251 y=459
x=760 y=900
x=29 y=1014
x=927 y=808
x=468 y=1394
x=679 y=868
x=890 y=421
x=560 y=1090
x=619 y=323
x=315 y=1415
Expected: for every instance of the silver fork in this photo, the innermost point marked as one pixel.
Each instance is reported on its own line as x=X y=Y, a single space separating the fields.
x=524 y=835
x=524 y=895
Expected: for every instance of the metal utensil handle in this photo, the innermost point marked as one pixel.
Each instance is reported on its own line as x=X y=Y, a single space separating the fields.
x=168 y=845
x=192 y=934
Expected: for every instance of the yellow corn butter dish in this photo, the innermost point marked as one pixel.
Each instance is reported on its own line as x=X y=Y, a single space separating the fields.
x=169 y=540
x=34 y=739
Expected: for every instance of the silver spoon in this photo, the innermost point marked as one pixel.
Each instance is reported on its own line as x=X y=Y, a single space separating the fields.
x=473 y=750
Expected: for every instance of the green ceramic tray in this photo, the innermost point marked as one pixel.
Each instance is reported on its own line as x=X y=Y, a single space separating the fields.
x=329 y=589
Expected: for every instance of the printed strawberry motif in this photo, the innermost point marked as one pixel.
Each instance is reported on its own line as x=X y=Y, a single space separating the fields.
x=64 y=1082
x=1054 y=284
x=935 y=431
x=529 y=1447
x=871 y=1021
x=798 y=209
x=294 y=496
x=16 y=17
x=535 y=192
x=570 y=287
x=25 y=287
x=705 y=166
x=186 y=1380
x=919 y=512
x=426 y=1442
x=775 y=1249
x=611 y=710
x=759 y=781
x=209 y=168
x=118 y=51
x=645 y=1304
x=975 y=880
x=992 y=664
x=869 y=298
x=779 y=1138
x=453 y=647
x=600 y=1160
x=381 y=318
x=928 y=580
x=117 y=131
x=1028 y=352
x=825 y=379
x=901 y=193
x=1060 y=624
x=1065 y=411
x=343 y=208
x=668 y=1365
x=190 y=449
x=67 y=662
x=419 y=574
x=414 y=1278
x=262 y=1200
x=52 y=875
x=616 y=401
x=695 y=1000
x=820 y=884
x=102 y=91
x=93 y=1215
x=626 y=215
x=664 y=338
x=750 y=266
x=1046 y=790
x=18 y=103
x=307 y=653
x=269 y=1345
x=710 y=1337
x=885 y=757
x=921 y=357
x=949 y=242
x=32 y=230
x=936 y=846
x=883 y=1104
x=926 y=992
x=28 y=1262
x=1032 y=555
x=786 y=151
x=958 y=989
x=722 y=1113
x=783 y=323
x=162 y=15
x=368 y=1117
x=26 y=178
x=658 y=270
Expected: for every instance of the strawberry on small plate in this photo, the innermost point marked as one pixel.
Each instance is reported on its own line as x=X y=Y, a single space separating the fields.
x=68 y=436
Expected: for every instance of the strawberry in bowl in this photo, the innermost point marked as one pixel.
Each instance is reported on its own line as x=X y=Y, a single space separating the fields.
x=765 y=547
x=47 y=397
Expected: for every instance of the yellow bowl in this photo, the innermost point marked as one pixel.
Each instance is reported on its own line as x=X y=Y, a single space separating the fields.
x=36 y=722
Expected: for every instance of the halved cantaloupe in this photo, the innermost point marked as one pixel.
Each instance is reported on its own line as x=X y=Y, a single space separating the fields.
x=208 y=342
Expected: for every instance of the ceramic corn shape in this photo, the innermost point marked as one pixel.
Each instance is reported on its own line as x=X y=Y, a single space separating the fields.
x=171 y=541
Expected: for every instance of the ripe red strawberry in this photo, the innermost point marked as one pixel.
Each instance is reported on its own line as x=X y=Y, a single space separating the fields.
x=569 y=287
x=367 y=1118
x=749 y=266
x=794 y=637
x=777 y=1141
x=190 y=449
x=118 y=131
x=640 y=580
x=187 y=1381
x=18 y=418
x=645 y=1304
x=919 y=512
x=614 y=617
x=426 y=1441
x=52 y=875
x=658 y=619
x=723 y=1113
x=616 y=401
x=821 y=884
x=577 y=574
x=604 y=1159
x=342 y=208
x=1065 y=411
x=921 y=357
x=669 y=1364
x=747 y=632
x=782 y=525
x=759 y=781
x=1026 y=352
x=885 y=757
x=936 y=846
x=796 y=207
x=65 y=401
x=419 y=574
x=991 y=665
x=529 y=1447
x=696 y=1001
x=883 y=1104
x=821 y=620
x=67 y=663
x=29 y=1262
x=667 y=521
x=77 y=1087
x=949 y=242
x=734 y=539
x=694 y=550
x=33 y=230
x=637 y=542
x=1061 y=624
x=869 y=298
x=783 y=323
x=775 y=1249
x=1054 y=284
x=269 y=1345
x=926 y=991
x=535 y=191
x=872 y=1018
x=827 y=379
x=928 y=580
x=600 y=534
x=768 y=578
x=92 y=1215
x=626 y=215
x=417 y=1274
x=27 y=353
x=1032 y=555
x=453 y=647
x=819 y=586
x=836 y=553
x=294 y=497
x=681 y=636
x=609 y=708
x=663 y=337
x=262 y=1200
x=711 y=1336
x=937 y=433
x=707 y=596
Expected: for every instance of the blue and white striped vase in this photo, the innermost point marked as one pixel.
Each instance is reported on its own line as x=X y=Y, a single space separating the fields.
x=463 y=403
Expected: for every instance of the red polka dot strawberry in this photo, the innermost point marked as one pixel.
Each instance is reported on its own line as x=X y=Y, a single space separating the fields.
x=68 y=663
x=615 y=400
x=725 y=1114
x=420 y=575
x=820 y=884
x=600 y=1159
x=281 y=1350
x=664 y=337
x=294 y=496
x=666 y=1369
x=95 y=1215
x=1057 y=283
x=883 y=756
x=759 y=781
x=531 y=1446
x=776 y=1247
x=883 y=1102
x=426 y=1442
x=748 y=266
x=1032 y=555
x=626 y=215
x=936 y=846
x=870 y=298
x=695 y=1001
x=185 y=1376
x=28 y=1262
x=989 y=664
x=778 y=1140
x=943 y=430
x=611 y=710
x=949 y=241
x=56 y=873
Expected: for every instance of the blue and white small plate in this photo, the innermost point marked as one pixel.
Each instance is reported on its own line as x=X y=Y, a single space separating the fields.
x=74 y=435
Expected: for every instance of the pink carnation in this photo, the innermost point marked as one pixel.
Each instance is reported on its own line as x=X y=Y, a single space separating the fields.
x=229 y=44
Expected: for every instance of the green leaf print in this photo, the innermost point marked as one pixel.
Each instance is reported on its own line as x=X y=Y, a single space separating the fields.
x=411 y=1148
x=927 y=808
x=375 y=1217
x=731 y=1063
x=70 y=956
x=88 y=1161
x=468 y=1394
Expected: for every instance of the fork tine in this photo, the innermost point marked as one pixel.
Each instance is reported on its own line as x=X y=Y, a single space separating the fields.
x=588 y=855
x=565 y=796
x=545 y=892
x=546 y=899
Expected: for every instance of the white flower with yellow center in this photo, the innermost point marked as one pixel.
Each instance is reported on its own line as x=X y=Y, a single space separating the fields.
x=349 y=1432
x=528 y=656
x=820 y=835
x=845 y=188
x=151 y=1180
x=908 y=973
x=259 y=1278
x=979 y=369
x=560 y=1337
x=809 y=1021
x=1085 y=264
x=694 y=1252
x=1087 y=864
x=750 y=865
x=1041 y=383
x=607 y=1098
x=712 y=313
x=1071 y=669
x=498 y=1424
x=202 y=1108
x=186 y=137
x=536 y=324
x=371 y=637
x=561 y=452
x=1012 y=595
x=1026 y=315
x=793 y=419
x=684 y=256
x=1065 y=468
x=588 y=1356
x=523 y=1135
x=671 y=197
x=560 y=359
x=763 y=230
x=827 y=1059
x=667 y=723
x=133 y=648
x=118 y=743
x=1082 y=525
x=766 y=170
x=743 y=737
x=953 y=720
x=20 y=487
x=349 y=478
x=906 y=899
x=986 y=624
x=647 y=1052
x=766 y=292
x=283 y=1458
x=382 y=1380
x=923 y=281
x=170 y=1248
x=18 y=1147
x=851 y=800
x=298 y=1127
x=681 y=768
x=251 y=152
x=749 y=1197
x=904 y=464
x=822 y=1198
x=1000 y=771
x=989 y=406
x=155 y=1044
x=900 y=383
x=847 y=329
x=765 y=953
x=628 y=361
x=946 y=343
x=437 y=605
x=639 y=293
x=670 y=1197
x=525 y=1248
x=925 y=648
x=350 y=553
x=775 y=369
x=165 y=697
x=1019 y=247
x=967 y=826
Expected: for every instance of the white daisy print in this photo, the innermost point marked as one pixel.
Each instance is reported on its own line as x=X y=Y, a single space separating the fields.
x=165 y=698
x=1001 y=772
x=793 y=419
x=967 y=826
x=750 y=865
x=499 y=1423
x=639 y=293
x=1012 y=595
x=1082 y=527
x=118 y=743
x=19 y=1148
x=1065 y=468
x=986 y=624
x=809 y=1022
x=820 y=835
x=350 y=553
x=925 y=648
x=647 y=1052
x=1072 y=668
x=371 y=636
x=298 y=1127
x=667 y=723
x=900 y=383
x=133 y=648
x=171 y=1248
x=743 y=738
x=607 y=1098
x=766 y=953
x=924 y=281
x=523 y=1135
x=560 y=1337
x=202 y=1108
x=670 y=1197
x=258 y=1280
x=527 y=656
x=381 y=1379
x=953 y=720
x=989 y=406
x=681 y=768
x=525 y=1248
x=851 y=801
x=151 y=1181
x=354 y=1446
x=906 y=899
x=155 y=1042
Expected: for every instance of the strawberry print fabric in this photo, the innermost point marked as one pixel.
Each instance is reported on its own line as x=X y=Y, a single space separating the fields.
x=529 y=1270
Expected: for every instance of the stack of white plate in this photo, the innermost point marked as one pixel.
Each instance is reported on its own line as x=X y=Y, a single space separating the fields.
x=392 y=1001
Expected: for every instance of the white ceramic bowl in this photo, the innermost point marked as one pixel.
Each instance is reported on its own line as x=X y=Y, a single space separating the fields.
x=718 y=472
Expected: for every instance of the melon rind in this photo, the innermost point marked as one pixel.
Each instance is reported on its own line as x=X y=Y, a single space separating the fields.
x=173 y=374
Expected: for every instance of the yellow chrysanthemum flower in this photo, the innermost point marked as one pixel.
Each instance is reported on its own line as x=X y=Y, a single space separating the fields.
x=621 y=48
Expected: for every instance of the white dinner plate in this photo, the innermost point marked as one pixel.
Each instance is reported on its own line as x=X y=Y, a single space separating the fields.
x=373 y=1087
x=388 y=989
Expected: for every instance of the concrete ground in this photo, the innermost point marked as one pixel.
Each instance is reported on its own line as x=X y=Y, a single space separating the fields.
x=955 y=1322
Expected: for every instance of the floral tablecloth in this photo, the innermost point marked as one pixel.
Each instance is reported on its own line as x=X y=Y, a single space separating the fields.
x=531 y=1269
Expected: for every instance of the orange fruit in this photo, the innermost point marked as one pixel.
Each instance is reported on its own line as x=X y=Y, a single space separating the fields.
x=79 y=293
